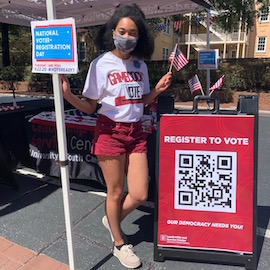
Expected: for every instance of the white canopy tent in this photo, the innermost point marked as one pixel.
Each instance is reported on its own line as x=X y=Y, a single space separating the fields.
x=85 y=13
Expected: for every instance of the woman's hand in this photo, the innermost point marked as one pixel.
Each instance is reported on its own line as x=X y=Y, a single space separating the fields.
x=65 y=85
x=164 y=82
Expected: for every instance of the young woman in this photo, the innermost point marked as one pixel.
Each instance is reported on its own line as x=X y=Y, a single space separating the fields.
x=119 y=79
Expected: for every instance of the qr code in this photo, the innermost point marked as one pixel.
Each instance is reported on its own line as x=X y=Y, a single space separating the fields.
x=205 y=181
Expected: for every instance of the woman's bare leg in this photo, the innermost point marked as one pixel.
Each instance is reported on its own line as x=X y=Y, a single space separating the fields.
x=113 y=169
x=137 y=179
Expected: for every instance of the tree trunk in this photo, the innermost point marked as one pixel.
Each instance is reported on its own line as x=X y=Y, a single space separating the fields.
x=5 y=45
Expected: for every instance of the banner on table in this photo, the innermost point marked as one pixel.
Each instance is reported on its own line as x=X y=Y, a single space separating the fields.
x=80 y=132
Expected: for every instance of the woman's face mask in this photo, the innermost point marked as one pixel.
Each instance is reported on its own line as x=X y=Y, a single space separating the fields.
x=125 y=44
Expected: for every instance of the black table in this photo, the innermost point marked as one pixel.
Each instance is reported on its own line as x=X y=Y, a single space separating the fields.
x=34 y=144
x=13 y=136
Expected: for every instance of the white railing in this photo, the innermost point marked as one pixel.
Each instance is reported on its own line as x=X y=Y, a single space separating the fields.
x=201 y=38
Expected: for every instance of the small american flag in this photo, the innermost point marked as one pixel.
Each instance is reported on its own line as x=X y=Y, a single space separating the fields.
x=218 y=84
x=179 y=60
x=211 y=19
x=194 y=84
x=177 y=25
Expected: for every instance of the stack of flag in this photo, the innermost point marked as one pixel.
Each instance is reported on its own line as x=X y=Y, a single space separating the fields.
x=177 y=59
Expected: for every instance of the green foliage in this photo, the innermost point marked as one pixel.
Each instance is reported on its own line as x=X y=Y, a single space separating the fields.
x=152 y=23
x=20 y=45
x=12 y=73
x=265 y=83
x=230 y=13
x=264 y=4
x=240 y=75
x=35 y=77
x=77 y=80
x=156 y=71
x=234 y=76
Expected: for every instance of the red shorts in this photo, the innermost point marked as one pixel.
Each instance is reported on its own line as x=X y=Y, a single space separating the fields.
x=116 y=138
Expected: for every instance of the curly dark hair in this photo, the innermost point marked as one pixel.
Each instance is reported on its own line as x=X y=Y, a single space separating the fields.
x=145 y=45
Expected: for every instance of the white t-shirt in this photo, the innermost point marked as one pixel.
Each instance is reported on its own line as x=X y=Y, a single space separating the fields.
x=119 y=85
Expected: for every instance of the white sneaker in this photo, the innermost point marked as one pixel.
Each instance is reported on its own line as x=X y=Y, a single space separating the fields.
x=105 y=222
x=126 y=256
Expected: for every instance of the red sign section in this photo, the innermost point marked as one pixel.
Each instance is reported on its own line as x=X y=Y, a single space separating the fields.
x=206 y=182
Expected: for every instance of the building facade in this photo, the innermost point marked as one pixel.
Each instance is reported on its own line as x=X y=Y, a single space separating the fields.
x=192 y=37
x=259 y=36
x=164 y=42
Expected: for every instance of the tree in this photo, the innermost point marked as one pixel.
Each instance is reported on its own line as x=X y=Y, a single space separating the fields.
x=5 y=45
x=20 y=45
x=265 y=4
x=231 y=12
x=153 y=23
x=16 y=45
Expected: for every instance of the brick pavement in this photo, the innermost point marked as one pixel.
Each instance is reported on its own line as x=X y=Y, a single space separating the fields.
x=15 y=257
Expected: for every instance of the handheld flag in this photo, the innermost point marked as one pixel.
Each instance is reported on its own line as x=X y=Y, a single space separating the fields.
x=217 y=85
x=194 y=84
x=177 y=59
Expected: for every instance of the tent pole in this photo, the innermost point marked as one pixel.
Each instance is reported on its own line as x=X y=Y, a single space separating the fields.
x=62 y=148
x=208 y=48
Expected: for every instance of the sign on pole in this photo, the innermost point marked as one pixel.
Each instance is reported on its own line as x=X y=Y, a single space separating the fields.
x=54 y=46
x=208 y=59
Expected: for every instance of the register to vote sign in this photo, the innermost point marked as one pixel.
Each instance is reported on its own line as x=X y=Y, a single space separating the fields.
x=54 y=46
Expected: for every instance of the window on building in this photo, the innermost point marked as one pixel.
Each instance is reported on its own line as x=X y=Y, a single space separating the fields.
x=167 y=23
x=264 y=15
x=261 y=44
x=233 y=54
x=82 y=51
x=165 y=54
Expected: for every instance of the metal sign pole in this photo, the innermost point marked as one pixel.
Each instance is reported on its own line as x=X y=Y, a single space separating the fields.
x=62 y=148
x=208 y=48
